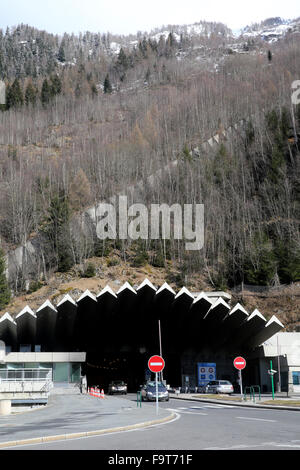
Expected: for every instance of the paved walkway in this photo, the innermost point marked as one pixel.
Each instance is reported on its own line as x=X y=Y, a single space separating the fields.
x=83 y=415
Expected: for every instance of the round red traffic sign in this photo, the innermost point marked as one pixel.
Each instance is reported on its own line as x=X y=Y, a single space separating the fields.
x=156 y=364
x=239 y=363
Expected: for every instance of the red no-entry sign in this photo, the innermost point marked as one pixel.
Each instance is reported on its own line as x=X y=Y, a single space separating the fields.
x=239 y=363
x=156 y=364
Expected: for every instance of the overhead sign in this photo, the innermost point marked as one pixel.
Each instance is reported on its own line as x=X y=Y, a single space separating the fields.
x=156 y=364
x=239 y=363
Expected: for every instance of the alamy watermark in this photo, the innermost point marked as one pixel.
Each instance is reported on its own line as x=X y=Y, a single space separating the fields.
x=117 y=220
x=2 y=92
x=296 y=94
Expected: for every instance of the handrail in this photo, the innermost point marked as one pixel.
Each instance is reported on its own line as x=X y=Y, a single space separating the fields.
x=25 y=375
x=245 y=392
x=258 y=390
x=252 y=392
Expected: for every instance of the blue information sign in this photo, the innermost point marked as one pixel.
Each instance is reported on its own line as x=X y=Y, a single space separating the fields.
x=206 y=372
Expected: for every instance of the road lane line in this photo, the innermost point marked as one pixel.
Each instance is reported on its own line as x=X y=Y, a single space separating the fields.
x=195 y=413
x=257 y=419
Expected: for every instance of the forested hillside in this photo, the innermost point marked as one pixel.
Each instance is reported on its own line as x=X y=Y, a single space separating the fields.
x=88 y=116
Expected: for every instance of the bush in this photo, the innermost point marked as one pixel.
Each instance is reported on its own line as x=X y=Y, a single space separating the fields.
x=112 y=262
x=90 y=271
x=158 y=261
x=34 y=286
x=140 y=259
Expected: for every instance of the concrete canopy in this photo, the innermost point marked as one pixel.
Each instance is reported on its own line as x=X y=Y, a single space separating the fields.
x=128 y=321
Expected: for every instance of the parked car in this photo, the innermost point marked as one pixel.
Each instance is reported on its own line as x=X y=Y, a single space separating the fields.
x=117 y=386
x=219 y=386
x=148 y=392
x=201 y=389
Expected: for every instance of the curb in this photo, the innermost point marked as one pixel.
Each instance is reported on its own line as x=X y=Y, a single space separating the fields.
x=64 y=437
x=250 y=405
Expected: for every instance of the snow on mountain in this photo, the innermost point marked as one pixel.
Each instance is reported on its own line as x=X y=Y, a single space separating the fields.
x=272 y=29
x=201 y=29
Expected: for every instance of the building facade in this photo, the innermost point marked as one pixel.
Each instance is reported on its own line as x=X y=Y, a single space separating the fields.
x=112 y=335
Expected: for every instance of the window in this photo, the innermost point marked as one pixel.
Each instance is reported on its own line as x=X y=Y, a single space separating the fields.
x=75 y=372
x=25 y=348
x=61 y=372
x=37 y=348
x=7 y=349
x=296 y=378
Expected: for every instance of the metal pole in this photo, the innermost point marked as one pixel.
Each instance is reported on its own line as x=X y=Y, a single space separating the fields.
x=278 y=359
x=156 y=393
x=160 y=348
x=241 y=383
x=272 y=380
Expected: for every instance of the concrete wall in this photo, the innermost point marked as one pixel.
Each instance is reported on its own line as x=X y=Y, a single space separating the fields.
x=287 y=346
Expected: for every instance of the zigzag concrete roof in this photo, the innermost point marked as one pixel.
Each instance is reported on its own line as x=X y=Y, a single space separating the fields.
x=129 y=317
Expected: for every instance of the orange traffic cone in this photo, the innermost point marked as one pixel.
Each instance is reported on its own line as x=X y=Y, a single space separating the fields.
x=102 y=393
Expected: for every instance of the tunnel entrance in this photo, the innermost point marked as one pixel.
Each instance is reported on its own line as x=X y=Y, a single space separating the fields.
x=102 y=369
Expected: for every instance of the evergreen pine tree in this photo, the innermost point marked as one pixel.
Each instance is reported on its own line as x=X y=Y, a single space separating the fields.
x=61 y=54
x=107 y=85
x=5 y=293
x=269 y=56
x=46 y=92
x=122 y=62
x=30 y=94
x=14 y=95
x=56 y=85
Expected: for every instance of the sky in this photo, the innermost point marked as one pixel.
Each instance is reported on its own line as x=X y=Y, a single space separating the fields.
x=129 y=16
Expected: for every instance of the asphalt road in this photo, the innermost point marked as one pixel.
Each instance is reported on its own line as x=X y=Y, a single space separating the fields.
x=198 y=426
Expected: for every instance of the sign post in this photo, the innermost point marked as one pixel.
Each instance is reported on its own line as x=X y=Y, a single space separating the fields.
x=240 y=364
x=271 y=372
x=156 y=364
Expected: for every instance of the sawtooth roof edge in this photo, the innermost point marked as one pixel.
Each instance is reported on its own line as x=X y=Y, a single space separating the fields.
x=26 y=309
x=238 y=306
x=8 y=317
x=46 y=304
x=87 y=293
x=220 y=301
x=257 y=313
x=148 y=283
x=108 y=289
x=182 y=291
x=126 y=285
x=67 y=298
x=274 y=319
x=202 y=295
x=167 y=287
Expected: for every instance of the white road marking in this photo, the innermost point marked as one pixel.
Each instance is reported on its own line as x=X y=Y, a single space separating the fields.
x=195 y=413
x=249 y=446
x=217 y=406
x=257 y=419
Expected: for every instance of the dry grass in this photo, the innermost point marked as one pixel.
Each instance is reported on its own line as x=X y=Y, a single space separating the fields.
x=217 y=397
x=282 y=402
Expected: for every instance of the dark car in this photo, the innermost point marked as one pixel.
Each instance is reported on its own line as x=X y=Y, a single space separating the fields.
x=148 y=392
x=117 y=386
